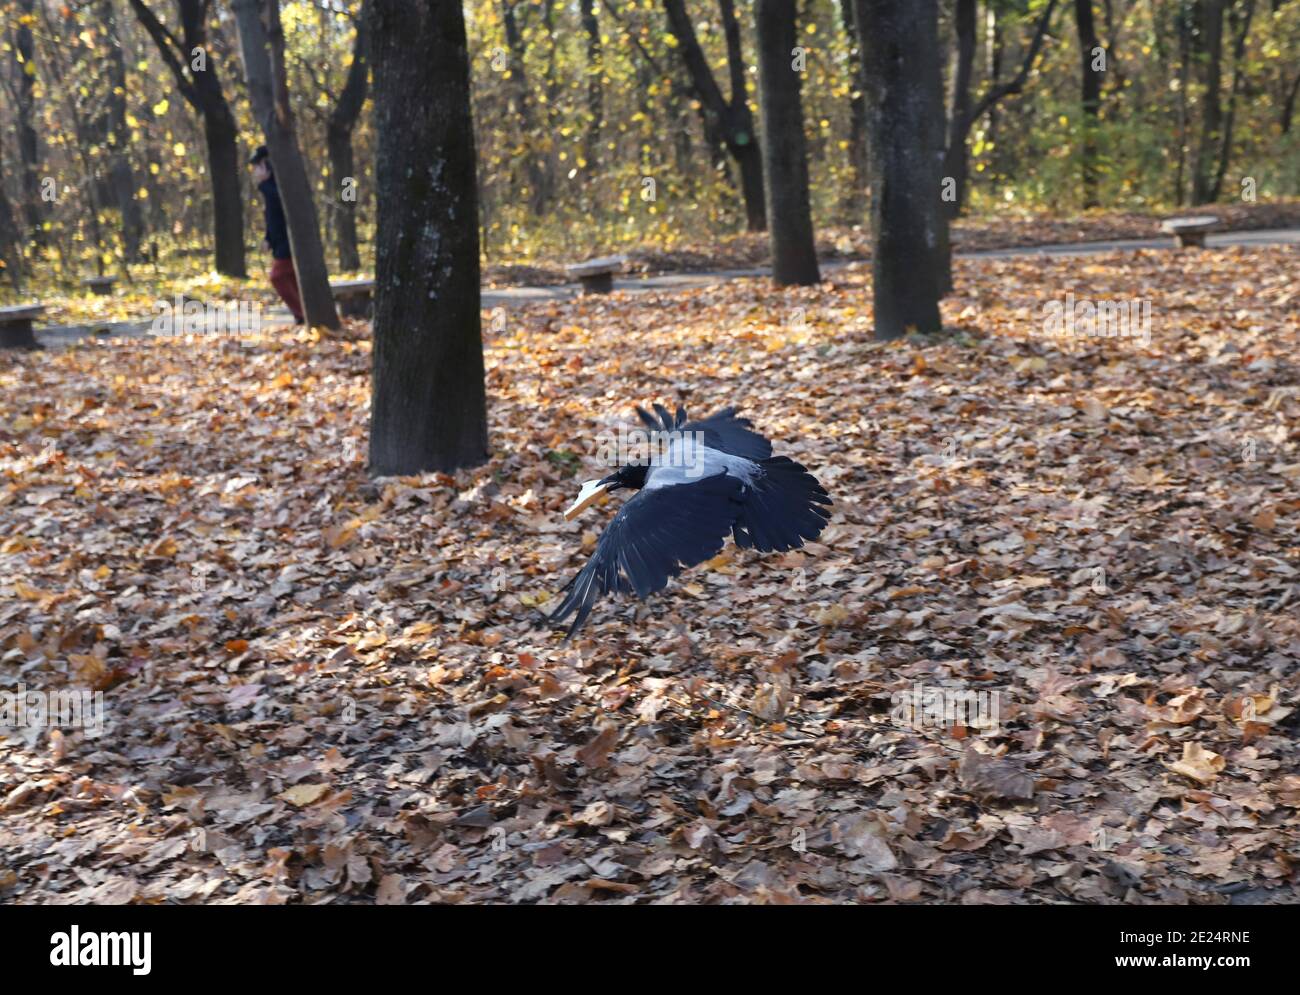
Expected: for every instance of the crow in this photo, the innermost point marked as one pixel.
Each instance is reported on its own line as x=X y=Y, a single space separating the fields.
x=703 y=479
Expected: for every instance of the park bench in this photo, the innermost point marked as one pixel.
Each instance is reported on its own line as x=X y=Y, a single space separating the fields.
x=16 y=326
x=597 y=275
x=353 y=297
x=101 y=286
x=1190 y=232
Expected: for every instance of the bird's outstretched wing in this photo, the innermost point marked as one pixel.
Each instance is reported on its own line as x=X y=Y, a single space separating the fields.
x=655 y=535
x=723 y=431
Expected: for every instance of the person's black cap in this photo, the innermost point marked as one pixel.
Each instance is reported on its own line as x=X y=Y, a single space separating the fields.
x=262 y=153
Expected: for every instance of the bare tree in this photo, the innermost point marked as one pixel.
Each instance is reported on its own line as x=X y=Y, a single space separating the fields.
x=965 y=112
x=727 y=121
x=194 y=67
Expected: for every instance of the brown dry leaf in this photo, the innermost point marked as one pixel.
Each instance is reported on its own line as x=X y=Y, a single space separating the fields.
x=304 y=794
x=596 y=753
x=1198 y=763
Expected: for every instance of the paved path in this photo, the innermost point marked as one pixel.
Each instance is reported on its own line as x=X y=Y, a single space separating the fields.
x=67 y=334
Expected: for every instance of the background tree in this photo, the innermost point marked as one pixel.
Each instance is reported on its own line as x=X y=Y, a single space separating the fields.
x=193 y=65
x=342 y=121
x=785 y=156
x=1091 y=57
x=111 y=131
x=900 y=50
x=729 y=121
x=261 y=40
x=964 y=113
x=428 y=408
x=24 y=54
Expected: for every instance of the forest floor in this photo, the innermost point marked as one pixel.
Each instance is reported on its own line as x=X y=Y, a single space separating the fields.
x=319 y=688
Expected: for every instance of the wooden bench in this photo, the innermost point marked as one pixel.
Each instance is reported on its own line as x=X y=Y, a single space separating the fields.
x=1191 y=232
x=16 y=326
x=597 y=275
x=353 y=297
x=101 y=286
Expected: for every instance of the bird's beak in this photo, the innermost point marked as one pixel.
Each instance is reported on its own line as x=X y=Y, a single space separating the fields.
x=591 y=490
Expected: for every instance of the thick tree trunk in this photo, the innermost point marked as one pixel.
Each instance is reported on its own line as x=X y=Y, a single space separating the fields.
x=728 y=121
x=428 y=405
x=1091 y=103
x=261 y=42
x=900 y=51
x=785 y=155
x=338 y=140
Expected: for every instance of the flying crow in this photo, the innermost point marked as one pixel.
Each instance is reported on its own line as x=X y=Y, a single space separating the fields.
x=704 y=479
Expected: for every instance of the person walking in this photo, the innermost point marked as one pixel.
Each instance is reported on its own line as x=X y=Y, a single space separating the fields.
x=283 y=277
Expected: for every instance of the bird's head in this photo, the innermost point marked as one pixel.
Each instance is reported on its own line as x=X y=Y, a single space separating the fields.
x=632 y=475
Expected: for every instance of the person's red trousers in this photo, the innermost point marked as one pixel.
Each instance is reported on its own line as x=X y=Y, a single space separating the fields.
x=285 y=282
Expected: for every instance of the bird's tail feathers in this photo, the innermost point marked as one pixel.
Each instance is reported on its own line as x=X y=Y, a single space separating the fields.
x=784 y=507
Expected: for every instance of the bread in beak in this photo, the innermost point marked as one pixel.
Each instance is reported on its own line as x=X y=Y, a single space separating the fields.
x=591 y=490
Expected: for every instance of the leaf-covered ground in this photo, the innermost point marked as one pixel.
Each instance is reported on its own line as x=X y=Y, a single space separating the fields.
x=323 y=689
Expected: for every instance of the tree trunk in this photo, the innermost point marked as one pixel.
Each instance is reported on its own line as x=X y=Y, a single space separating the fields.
x=536 y=163
x=1207 y=148
x=900 y=51
x=121 y=178
x=855 y=202
x=338 y=140
x=11 y=239
x=1185 y=28
x=222 y=138
x=35 y=209
x=261 y=42
x=785 y=155
x=956 y=162
x=595 y=85
x=202 y=91
x=956 y=159
x=728 y=121
x=428 y=408
x=1091 y=91
x=1240 y=18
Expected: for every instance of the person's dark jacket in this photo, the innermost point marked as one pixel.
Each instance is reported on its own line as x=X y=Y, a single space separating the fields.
x=277 y=229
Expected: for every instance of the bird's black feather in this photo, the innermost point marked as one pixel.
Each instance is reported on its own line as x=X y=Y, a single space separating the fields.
x=726 y=433
x=783 y=506
x=655 y=536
